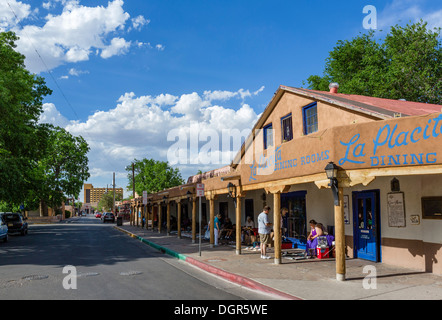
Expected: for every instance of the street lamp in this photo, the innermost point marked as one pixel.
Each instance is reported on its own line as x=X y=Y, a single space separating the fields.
x=331 y=170
x=232 y=192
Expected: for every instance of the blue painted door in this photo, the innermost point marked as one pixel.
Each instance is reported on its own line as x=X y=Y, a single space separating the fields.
x=365 y=225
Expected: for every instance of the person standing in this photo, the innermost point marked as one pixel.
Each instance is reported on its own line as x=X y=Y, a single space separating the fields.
x=264 y=228
x=217 y=227
x=284 y=212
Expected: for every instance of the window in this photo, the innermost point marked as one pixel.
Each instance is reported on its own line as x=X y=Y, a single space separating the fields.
x=268 y=136
x=286 y=128
x=310 y=115
x=432 y=208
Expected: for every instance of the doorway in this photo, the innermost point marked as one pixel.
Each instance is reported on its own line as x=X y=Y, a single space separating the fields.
x=249 y=209
x=366 y=225
x=294 y=223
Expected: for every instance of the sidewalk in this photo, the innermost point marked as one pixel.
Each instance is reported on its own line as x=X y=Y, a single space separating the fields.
x=301 y=279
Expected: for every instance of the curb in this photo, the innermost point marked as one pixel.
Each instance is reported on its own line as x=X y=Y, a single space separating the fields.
x=240 y=280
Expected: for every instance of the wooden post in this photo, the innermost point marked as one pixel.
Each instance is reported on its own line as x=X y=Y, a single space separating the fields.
x=160 y=217
x=168 y=218
x=212 y=222
x=238 y=225
x=340 y=237
x=194 y=220
x=277 y=226
x=179 y=218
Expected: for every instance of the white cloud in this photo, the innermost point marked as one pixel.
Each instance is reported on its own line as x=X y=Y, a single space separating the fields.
x=160 y=47
x=404 y=11
x=73 y=35
x=117 y=47
x=434 y=19
x=226 y=95
x=52 y=116
x=11 y=10
x=77 y=73
x=138 y=126
x=139 y=22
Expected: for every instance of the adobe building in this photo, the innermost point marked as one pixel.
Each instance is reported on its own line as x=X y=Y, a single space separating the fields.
x=385 y=201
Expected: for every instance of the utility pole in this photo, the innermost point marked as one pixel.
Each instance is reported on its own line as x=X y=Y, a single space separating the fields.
x=133 y=179
x=113 y=206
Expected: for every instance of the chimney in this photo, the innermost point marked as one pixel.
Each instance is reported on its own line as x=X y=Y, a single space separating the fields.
x=334 y=87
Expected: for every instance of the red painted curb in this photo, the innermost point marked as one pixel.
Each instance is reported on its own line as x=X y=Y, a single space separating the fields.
x=251 y=284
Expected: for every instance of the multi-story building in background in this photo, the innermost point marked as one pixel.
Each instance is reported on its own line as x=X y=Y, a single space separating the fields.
x=92 y=196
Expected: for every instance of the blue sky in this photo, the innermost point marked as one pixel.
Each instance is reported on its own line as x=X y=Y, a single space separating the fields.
x=126 y=73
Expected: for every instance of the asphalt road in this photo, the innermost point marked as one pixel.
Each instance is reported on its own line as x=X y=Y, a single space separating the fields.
x=109 y=265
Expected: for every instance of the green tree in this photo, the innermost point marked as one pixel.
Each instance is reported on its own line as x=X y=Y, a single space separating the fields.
x=107 y=201
x=407 y=64
x=63 y=168
x=153 y=176
x=21 y=98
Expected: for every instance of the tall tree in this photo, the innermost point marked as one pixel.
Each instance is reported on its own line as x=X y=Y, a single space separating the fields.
x=21 y=98
x=407 y=64
x=63 y=168
x=153 y=176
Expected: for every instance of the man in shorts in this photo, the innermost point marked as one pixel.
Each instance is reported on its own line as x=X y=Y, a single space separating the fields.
x=264 y=228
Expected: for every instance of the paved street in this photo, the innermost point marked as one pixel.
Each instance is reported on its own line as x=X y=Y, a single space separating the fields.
x=109 y=265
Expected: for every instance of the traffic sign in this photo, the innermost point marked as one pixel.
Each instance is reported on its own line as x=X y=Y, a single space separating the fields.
x=144 y=197
x=200 y=190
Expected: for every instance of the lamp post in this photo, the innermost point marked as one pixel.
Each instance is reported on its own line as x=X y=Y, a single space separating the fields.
x=232 y=192
x=331 y=171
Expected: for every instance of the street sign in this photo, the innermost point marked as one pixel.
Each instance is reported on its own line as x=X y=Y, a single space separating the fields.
x=144 y=197
x=200 y=190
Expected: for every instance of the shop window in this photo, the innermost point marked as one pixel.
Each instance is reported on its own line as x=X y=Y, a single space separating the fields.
x=432 y=208
x=310 y=116
x=268 y=136
x=286 y=128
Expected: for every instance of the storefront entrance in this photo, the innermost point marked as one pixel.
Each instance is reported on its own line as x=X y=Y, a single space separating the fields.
x=295 y=220
x=366 y=226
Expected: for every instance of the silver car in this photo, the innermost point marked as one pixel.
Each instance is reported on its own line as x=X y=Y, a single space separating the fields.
x=3 y=229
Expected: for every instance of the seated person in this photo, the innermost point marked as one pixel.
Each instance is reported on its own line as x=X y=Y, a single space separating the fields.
x=227 y=229
x=317 y=230
x=247 y=234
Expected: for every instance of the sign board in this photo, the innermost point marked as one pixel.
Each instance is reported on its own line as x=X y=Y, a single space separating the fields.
x=200 y=190
x=396 y=209
x=144 y=197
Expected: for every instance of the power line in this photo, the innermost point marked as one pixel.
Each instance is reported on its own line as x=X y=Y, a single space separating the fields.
x=52 y=76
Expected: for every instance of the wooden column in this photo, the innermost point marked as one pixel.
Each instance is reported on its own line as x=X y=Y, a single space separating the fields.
x=194 y=220
x=340 y=237
x=148 y=216
x=212 y=222
x=238 y=225
x=168 y=218
x=277 y=226
x=179 y=218
x=160 y=217
x=277 y=190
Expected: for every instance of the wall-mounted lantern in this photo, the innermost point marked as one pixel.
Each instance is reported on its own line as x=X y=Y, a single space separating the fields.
x=331 y=170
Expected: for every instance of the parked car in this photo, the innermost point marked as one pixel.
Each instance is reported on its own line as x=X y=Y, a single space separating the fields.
x=3 y=230
x=16 y=223
x=108 y=216
x=98 y=215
